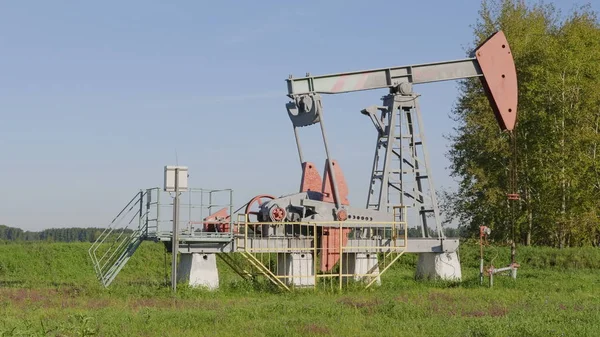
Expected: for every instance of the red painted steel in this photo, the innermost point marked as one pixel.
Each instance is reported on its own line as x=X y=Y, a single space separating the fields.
x=342 y=215
x=257 y=199
x=513 y=196
x=311 y=179
x=341 y=184
x=277 y=214
x=339 y=84
x=330 y=240
x=499 y=78
x=218 y=221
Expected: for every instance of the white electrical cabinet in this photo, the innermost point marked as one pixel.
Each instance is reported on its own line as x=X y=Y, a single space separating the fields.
x=182 y=179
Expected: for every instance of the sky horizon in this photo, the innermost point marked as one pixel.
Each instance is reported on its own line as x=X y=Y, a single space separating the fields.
x=96 y=98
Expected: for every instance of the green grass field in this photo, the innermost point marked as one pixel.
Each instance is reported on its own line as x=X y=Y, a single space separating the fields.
x=49 y=289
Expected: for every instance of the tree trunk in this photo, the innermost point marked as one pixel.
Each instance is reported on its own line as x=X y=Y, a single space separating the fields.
x=528 y=197
x=563 y=207
x=529 y=223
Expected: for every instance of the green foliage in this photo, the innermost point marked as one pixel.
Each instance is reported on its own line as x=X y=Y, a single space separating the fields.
x=531 y=257
x=73 y=234
x=558 y=131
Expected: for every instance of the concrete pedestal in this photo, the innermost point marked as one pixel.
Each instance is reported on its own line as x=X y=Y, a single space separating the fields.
x=361 y=264
x=445 y=266
x=298 y=269
x=199 y=270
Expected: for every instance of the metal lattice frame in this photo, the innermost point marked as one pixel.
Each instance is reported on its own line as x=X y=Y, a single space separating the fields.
x=401 y=173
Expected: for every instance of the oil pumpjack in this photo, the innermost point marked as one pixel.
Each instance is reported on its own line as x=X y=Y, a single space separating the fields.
x=320 y=214
x=401 y=172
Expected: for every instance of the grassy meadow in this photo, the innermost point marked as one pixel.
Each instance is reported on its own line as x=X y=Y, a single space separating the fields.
x=49 y=289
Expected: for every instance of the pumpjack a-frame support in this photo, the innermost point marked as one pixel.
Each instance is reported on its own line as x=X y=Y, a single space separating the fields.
x=400 y=147
x=401 y=173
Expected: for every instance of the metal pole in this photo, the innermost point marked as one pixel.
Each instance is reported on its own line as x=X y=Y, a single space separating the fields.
x=141 y=212
x=481 y=271
x=157 y=210
x=392 y=107
x=298 y=145
x=175 y=238
x=202 y=206
x=148 y=201
x=231 y=211
x=334 y=187
x=434 y=203
x=480 y=256
x=340 y=250
x=210 y=203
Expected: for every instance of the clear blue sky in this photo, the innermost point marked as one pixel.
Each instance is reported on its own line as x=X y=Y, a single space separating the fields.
x=96 y=97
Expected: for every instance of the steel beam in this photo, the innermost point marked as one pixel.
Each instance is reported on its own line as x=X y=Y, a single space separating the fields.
x=288 y=245
x=384 y=77
x=491 y=61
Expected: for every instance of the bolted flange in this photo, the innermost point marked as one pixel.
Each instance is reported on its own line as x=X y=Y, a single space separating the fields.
x=277 y=213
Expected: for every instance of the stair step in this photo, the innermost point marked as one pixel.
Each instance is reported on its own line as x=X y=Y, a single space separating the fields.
x=114 y=247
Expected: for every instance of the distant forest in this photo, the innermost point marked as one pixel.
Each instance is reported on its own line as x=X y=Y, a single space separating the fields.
x=77 y=234
x=73 y=234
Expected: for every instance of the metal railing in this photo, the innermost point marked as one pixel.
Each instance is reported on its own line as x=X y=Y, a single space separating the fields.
x=322 y=253
x=195 y=205
x=147 y=216
x=289 y=254
x=115 y=245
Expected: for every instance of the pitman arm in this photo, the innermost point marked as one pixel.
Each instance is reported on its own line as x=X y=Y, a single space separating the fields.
x=491 y=61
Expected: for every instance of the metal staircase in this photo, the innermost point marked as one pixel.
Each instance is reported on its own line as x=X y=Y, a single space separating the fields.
x=116 y=244
x=147 y=216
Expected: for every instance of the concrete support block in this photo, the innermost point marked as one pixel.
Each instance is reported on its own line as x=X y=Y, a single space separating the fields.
x=361 y=265
x=298 y=269
x=198 y=270
x=445 y=266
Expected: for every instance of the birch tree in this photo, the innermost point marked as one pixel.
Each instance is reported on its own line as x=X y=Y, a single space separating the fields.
x=557 y=132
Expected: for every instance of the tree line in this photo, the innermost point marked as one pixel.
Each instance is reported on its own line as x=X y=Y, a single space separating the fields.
x=557 y=136
x=73 y=234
